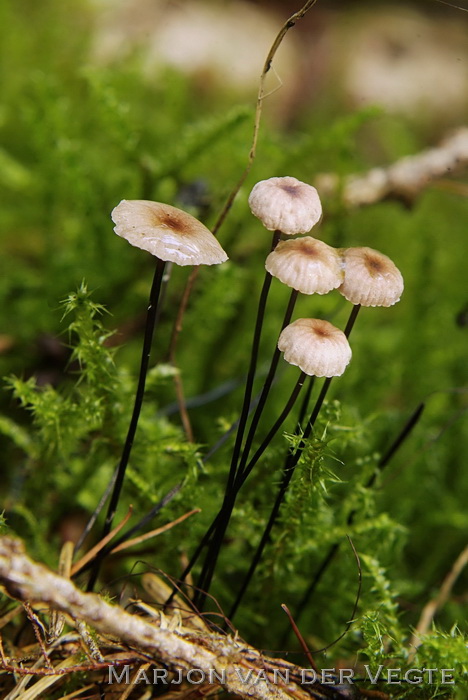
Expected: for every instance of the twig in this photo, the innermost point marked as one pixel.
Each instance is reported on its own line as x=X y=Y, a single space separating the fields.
x=300 y=638
x=177 y=648
x=228 y=204
x=430 y=609
x=404 y=179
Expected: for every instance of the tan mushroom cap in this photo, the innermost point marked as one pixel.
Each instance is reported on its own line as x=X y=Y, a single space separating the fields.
x=167 y=232
x=370 y=278
x=316 y=347
x=306 y=264
x=286 y=204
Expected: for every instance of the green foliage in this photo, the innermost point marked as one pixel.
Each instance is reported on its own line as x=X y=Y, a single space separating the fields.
x=76 y=431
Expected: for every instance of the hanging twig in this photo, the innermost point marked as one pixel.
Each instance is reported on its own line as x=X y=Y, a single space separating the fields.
x=227 y=206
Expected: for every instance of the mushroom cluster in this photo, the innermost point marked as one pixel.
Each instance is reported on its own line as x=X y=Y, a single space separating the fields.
x=364 y=276
x=309 y=266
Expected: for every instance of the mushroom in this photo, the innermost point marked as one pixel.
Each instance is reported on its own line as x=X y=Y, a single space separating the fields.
x=286 y=204
x=171 y=235
x=166 y=232
x=306 y=264
x=316 y=347
x=370 y=278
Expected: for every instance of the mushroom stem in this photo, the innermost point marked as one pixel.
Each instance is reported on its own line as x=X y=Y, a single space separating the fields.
x=305 y=401
x=151 y=318
x=238 y=466
x=267 y=385
x=288 y=471
x=240 y=480
x=252 y=367
x=221 y=522
x=242 y=475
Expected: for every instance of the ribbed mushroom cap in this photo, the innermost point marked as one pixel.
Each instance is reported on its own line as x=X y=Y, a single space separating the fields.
x=370 y=278
x=316 y=347
x=167 y=232
x=286 y=204
x=306 y=264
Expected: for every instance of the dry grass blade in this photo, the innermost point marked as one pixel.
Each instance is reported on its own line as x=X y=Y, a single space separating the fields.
x=89 y=556
x=43 y=684
x=154 y=533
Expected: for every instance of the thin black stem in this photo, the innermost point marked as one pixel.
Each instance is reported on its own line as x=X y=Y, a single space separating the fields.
x=242 y=476
x=147 y=342
x=306 y=401
x=252 y=368
x=352 y=319
x=231 y=491
x=225 y=437
x=267 y=385
x=90 y=524
x=288 y=471
x=205 y=574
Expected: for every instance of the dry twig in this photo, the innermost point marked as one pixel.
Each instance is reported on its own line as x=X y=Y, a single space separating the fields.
x=404 y=179
x=431 y=608
x=160 y=641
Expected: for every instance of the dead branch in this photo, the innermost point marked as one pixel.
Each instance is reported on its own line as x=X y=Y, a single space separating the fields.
x=431 y=608
x=163 y=641
x=404 y=179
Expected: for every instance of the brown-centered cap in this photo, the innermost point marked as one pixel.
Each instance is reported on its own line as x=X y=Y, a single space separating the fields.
x=306 y=264
x=167 y=232
x=286 y=204
x=316 y=347
x=370 y=278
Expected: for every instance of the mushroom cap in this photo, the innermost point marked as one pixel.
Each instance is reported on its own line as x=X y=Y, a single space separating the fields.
x=370 y=278
x=316 y=347
x=167 y=232
x=286 y=204
x=306 y=264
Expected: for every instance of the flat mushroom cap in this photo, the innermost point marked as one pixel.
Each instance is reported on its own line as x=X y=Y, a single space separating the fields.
x=166 y=232
x=306 y=264
x=286 y=204
x=370 y=278
x=316 y=347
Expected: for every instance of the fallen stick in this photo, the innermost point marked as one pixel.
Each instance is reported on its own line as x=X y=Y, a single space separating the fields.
x=163 y=641
x=404 y=179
